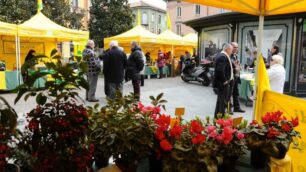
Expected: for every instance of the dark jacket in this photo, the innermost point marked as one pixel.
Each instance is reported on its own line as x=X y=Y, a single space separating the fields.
x=222 y=71
x=236 y=69
x=135 y=64
x=114 y=65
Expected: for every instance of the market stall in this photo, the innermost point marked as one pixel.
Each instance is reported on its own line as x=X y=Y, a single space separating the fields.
x=38 y=33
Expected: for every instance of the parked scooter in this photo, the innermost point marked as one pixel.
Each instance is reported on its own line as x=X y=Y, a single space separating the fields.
x=202 y=73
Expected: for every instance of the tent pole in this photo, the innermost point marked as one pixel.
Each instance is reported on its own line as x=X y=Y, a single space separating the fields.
x=17 y=61
x=259 y=47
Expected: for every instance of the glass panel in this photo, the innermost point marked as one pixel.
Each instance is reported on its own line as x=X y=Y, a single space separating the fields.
x=277 y=32
x=302 y=67
x=212 y=40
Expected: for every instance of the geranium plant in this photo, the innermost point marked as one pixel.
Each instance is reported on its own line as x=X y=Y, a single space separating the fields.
x=274 y=135
x=8 y=121
x=124 y=129
x=198 y=145
x=55 y=138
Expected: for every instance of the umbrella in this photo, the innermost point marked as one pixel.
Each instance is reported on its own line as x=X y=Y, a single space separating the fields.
x=260 y=8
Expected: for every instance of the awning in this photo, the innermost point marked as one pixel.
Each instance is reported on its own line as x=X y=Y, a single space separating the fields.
x=8 y=29
x=41 y=26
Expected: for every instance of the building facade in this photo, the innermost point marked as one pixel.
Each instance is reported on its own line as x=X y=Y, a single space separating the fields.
x=181 y=11
x=286 y=31
x=82 y=5
x=151 y=17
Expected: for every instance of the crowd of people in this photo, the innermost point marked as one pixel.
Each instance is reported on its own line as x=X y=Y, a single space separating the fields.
x=227 y=76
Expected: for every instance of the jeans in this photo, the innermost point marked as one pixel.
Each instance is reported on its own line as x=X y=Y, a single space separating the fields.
x=160 y=72
x=113 y=88
x=92 y=82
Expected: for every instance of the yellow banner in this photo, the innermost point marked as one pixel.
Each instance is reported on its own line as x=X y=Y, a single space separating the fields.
x=291 y=107
x=9 y=47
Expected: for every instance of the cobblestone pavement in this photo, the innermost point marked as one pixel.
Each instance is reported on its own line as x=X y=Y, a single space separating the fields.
x=197 y=99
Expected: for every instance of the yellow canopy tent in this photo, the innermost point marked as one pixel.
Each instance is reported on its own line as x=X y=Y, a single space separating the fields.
x=146 y=39
x=8 y=29
x=192 y=38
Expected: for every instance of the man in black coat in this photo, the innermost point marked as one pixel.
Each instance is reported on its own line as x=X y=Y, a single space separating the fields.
x=237 y=81
x=115 y=62
x=223 y=77
x=135 y=64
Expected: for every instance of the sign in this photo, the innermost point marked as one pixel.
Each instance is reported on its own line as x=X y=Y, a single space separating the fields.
x=9 y=47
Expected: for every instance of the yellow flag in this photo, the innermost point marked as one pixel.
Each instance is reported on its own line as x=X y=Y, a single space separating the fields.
x=138 y=18
x=262 y=84
x=39 y=5
x=291 y=107
x=168 y=22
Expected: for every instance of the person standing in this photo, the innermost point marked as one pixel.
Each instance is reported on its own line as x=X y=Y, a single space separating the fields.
x=30 y=61
x=237 y=80
x=160 y=63
x=115 y=62
x=277 y=74
x=274 y=51
x=94 y=68
x=135 y=64
x=142 y=73
x=223 y=77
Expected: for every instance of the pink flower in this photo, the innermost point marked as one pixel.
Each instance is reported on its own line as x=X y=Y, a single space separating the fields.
x=219 y=138
x=213 y=134
x=240 y=135
x=156 y=110
x=147 y=109
x=211 y=128
x=154 y=116
x=225 y=122
x=140 y=106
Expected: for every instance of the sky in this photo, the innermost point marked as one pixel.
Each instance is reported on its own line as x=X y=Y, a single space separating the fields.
x=156 y=3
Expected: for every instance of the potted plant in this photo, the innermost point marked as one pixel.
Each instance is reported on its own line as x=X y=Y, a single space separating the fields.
x=55 y=138
x=272 y=138
x=124 y=129
x=197 y=145
x=8 y=122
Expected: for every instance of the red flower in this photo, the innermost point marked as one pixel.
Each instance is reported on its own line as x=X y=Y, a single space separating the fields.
x=225 y=122
x=156 y=110
x=196 y=127
x=213 y=134
x=159 y=134
x=163 y=122
x=240 y=135
x=286 y=127
x=295 y=121
x=198 y=139
x=165 y=145
x=176 y=131
x=154 y=116
x=254 y=122
x=272 y=132
x=266 y=119
x=140 y=106
x=227 y=135
x=211 y=128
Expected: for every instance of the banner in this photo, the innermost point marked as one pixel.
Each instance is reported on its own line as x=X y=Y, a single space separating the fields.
x=9 y=47
x=291 y=107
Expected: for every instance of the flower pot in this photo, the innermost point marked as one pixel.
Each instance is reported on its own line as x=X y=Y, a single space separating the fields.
x=282 y=150
x=124 y=166
x=155 y=165
x=101 y=161
x=11 y=168
x=228 y=165
x=259 y=159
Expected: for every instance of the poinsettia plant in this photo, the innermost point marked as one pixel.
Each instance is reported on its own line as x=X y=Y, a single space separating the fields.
x=55 y=138
x=198 y=145
x=274 y=134
x=8 y=121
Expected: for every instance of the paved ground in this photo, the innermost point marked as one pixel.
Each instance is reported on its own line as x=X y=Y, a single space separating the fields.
x=197 y=99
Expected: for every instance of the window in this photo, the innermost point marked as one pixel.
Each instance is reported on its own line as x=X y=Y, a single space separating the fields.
x=144 y=19
x=197 y=9
x=179 y=11
x=152 y=18
x=178 y=29
x=75 y=3
x=222 y=10
x=159 y=19
x=302 y=64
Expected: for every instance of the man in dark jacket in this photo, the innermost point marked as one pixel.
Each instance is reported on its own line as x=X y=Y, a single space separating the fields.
x=237 y=81
x=115 y=62
x=94 y=68
x=223 y=77
x=135 y=64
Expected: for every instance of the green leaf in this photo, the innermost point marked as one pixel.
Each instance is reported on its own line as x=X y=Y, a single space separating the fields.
x=53 y=52
x=41 y=99
x=159 y=96
x=21 y=90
